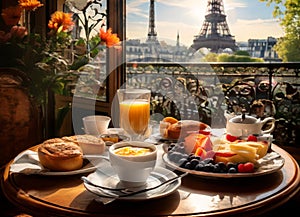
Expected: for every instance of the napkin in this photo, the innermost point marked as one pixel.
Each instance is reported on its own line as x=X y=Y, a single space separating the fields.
x=27 y=162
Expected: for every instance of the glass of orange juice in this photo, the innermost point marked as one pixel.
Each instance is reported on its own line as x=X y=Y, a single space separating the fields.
x=134 y=114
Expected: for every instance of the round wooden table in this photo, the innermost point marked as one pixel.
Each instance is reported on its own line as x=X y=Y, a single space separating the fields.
x=67 y=196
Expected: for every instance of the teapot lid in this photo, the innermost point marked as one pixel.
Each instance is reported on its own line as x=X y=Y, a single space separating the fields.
x=244 y=119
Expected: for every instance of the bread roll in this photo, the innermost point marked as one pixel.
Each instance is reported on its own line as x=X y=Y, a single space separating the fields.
x=184 y=127
x=60 y=156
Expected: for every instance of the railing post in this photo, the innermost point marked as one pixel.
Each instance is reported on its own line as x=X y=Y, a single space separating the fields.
x=270 y=82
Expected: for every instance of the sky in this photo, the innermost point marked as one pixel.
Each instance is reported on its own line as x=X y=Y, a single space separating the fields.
x=247 y=19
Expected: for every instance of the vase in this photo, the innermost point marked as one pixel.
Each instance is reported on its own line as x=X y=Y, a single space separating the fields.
x=20 y=118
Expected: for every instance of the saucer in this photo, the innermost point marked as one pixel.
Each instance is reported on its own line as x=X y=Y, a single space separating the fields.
x=106 y=177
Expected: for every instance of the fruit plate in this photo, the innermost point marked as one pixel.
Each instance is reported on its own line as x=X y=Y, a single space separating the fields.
x=265 y=168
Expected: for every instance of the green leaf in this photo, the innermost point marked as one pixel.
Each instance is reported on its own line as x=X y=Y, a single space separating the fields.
x=61 y=114
x=79 y=63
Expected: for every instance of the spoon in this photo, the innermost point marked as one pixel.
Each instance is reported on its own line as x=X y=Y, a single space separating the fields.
x=129 y=192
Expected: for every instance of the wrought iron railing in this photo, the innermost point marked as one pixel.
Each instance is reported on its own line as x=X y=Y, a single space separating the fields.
x=204 y=91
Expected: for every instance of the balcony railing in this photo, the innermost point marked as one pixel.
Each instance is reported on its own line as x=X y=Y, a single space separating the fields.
x=204 y=91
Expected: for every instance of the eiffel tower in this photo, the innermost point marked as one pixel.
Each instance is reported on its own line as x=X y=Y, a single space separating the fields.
x=214 y=34
x=152 y=41
x=152 y=34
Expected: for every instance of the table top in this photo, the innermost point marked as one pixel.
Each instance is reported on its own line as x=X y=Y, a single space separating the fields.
x=67 y=196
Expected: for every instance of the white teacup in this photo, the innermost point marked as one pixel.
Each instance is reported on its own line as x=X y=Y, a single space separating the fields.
x=96 y=124
x=132 y=170
x=237 y=126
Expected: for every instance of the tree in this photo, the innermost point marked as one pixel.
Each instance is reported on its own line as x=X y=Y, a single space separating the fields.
x=211 y=57
x=237 y=58
x=288 y=11
x=242 y=53
x=224 y=57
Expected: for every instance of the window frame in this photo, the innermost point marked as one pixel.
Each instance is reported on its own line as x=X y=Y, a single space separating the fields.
x=116 y=65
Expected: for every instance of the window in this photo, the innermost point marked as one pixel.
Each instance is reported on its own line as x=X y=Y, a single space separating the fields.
x=111 y=65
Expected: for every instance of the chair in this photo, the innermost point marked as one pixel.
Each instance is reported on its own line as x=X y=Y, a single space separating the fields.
x=19 y=116
x=19 y=121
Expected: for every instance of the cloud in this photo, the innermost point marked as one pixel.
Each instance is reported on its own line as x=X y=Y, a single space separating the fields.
x=137 y=8
x=256 y=29
x=233 y=5
x=257 y=22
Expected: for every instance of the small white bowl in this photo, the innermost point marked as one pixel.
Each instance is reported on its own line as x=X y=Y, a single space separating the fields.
x=96 y=124
x=133 y=170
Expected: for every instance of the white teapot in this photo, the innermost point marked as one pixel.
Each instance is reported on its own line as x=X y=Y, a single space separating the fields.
x=245 y=125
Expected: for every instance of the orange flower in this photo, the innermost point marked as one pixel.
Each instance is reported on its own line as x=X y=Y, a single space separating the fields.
x=108 y=38
x=30 y=5
x=61 y=21
x=11 y=15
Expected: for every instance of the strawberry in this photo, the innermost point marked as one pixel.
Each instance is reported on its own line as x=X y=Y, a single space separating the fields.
x=246 y=167
x=252 y=138
x=231 y=138
x=249 y=167
x=241 y=168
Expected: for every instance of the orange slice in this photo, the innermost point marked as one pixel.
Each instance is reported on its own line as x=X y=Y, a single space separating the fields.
x=171 y=120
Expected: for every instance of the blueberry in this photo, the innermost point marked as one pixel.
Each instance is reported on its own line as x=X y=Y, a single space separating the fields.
x=194 y=162
x=232 y=170
x=198 y=158
x=231 y=165
x=199 y=167
x=182 y=162
x=208 y=167
x=191 y=156
x=188 y=165
x=216 y=168
x=222 y=166
x=208 y=160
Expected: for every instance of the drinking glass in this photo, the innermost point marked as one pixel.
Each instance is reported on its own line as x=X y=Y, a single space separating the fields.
x=134 y=110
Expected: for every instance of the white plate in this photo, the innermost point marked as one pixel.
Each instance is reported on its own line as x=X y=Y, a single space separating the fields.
x=28 y=163
x=105 y=176
x=270 y=167
x=90 y=164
